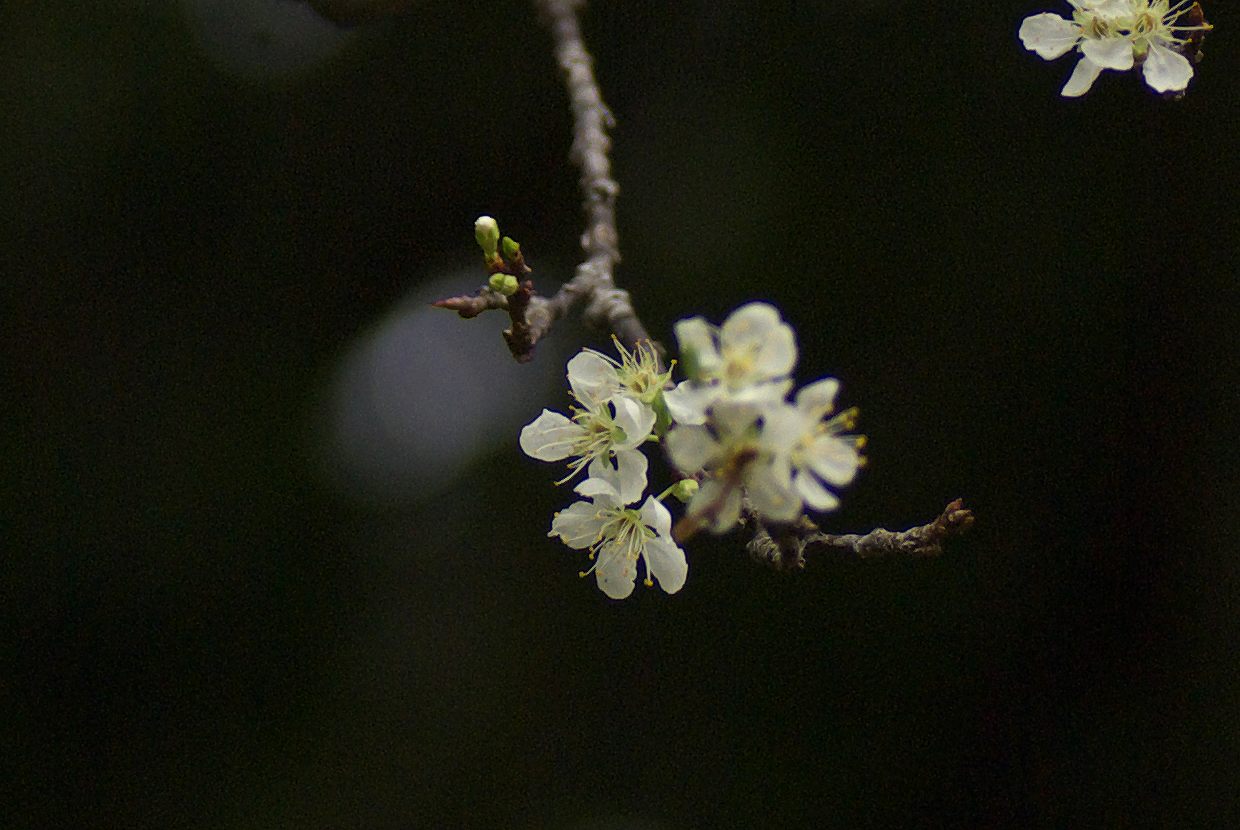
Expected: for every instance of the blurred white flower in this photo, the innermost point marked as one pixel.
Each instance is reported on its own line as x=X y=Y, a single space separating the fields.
x=1096 y=29
x=813 y=448
x=747 y=360
x=735 y=429
x=618 y=536
x=737 y=462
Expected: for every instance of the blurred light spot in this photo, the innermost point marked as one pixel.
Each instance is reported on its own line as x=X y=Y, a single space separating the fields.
x=352 y=12
x=263 y=39
x=425 y=394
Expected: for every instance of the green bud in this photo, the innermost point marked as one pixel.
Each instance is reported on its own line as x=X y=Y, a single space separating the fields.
x=505 y=284
x=486 y=231
x=511 y=248
x=685 y=489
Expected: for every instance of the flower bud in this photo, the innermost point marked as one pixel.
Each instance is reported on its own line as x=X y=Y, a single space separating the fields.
x=486 y=231
x=505 y=284
x=511 y=248
x=685 y=489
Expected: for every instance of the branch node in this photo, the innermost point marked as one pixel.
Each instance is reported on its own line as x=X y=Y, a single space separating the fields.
x=784 y=546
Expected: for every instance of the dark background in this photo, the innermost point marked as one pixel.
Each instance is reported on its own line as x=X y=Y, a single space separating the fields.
x=1033 y=300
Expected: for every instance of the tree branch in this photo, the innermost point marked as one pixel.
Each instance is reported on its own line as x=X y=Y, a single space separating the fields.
x=471 y=305
x=606 y=307
x=785 y=547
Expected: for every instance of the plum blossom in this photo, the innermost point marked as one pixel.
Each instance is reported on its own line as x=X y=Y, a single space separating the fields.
x=813 y=447
x=738 y=462
x=637 y=374
x=608 y=426
x=1117 y=34
x=734 y=430
x=746 y=360
x=618 y=536
x=1159 y=41
x=1096 y=30
x=739 y=445
x=782 y=457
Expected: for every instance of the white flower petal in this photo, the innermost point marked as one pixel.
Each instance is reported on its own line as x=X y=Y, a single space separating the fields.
x=777 y=356
x=729 y=511
x=690 y=447
x=602 y=483
x=697 y=346
x=733 y=417
x=578 y=525
x=615 y=573
x=655 y=515
x=592 y=377
x=783 y=426
x=602 y=489
x=689 y=401
x=749 y=325
x=816 y=496
x=636 y=419
x=631 y=469
x=666 y=563
x=1083 y=77
x=819 y=396
x=1049 y=35
x=1109 y=52
x=549 y=437
x=1166 y=70
x=1112 y=9
x=834 y=460
x=770 y=490
x=761 y=393
x=717 y=504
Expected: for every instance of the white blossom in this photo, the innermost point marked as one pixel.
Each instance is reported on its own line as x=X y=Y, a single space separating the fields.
x=737 y=462
x=1156 y=36
x=636 y=375
x=597 y=435
x=608 y=427
x=618 y=536
x=737 y=433
x=811 y=446
x=746 y=360
x=1115 y=34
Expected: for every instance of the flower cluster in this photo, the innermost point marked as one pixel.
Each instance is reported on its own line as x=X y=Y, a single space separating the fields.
x=735 y=424
x=618 y=405
x=1120 y=34
x=729 y=429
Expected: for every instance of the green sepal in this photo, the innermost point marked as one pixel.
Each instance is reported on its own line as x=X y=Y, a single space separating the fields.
x=690 y=363
x=662 y=415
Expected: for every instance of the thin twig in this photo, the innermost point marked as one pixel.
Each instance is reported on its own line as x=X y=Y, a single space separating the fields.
x=785 y=547
x=471 y=305
x=607 y=307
